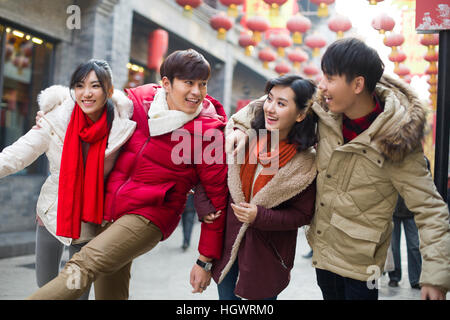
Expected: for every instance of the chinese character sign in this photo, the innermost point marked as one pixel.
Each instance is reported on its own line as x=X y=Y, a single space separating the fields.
x=432 y=15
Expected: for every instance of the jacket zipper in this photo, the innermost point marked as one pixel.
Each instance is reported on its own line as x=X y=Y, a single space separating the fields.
x=278 y=255
x=129 y=178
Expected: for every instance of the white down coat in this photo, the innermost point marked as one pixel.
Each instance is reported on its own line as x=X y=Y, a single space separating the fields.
x=58 y=105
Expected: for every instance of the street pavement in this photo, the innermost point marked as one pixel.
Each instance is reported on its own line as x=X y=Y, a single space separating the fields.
x=163 y=274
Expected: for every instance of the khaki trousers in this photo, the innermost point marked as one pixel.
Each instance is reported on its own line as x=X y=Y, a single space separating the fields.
x=106 y=259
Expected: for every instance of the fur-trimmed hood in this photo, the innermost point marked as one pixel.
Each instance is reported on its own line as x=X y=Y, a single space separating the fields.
x=400 y=128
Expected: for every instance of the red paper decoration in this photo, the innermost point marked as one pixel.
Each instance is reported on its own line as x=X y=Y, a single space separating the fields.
x=222 y=23
x=298 y=24
x=267 y=55
x=280 y=42
x=339 y=24
x=383 y=23
x=323 y=7
x=315 y=42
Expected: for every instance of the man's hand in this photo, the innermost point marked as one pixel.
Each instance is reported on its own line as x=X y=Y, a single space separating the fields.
x=235 y=142
x=245 y=212
x=432 y=293
x=212 y=216
x=200 y=278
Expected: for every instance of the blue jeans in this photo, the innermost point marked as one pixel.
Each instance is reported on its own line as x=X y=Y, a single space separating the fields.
x=336 y=287
x=187 y=220
x=412 y=244
x=228 y=284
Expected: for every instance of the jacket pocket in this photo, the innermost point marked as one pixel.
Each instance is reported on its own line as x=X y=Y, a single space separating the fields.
x=352 y=241
x=142 y=195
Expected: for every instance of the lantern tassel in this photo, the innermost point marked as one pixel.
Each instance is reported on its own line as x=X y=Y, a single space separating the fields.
x=297 y=38
x=323 y=10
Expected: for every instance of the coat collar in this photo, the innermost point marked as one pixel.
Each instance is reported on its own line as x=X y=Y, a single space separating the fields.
x=289 y=181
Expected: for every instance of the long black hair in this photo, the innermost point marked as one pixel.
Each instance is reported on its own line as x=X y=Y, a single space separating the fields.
x=302 y=133
x=104 y=75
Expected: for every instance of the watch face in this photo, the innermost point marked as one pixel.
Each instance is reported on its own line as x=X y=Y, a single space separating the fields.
x=208 y=266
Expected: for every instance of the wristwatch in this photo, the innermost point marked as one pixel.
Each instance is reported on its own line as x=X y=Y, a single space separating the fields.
x=205 y=265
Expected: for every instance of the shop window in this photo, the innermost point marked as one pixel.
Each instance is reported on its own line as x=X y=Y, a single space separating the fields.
x=26 y=68
x=138 y=76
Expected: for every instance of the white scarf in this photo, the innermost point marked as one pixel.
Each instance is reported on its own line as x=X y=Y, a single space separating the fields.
x=161 y=120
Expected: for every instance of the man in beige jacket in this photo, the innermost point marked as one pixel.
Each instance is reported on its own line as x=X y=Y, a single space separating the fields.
x=369 y=131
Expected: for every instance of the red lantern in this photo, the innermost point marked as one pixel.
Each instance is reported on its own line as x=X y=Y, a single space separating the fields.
x=246 y=41
x=275 y=6
x=158 y=42
x=267 y=55
x=188 y=5
x=407 y=78
x=280 y=41
x=222 y=23
x=298 y=24
x=315 y=42
x=394 y=40
x=432 y=70
x=430 y=40
x=339 y=24
x=311 y=70
x=282 y=68
x=432 y=81
x=433 y=57
x=297 y=57
x=383 y=23
x=323 y=7
x=374 y=2
x=258 y=24
x=232 y=6
x=402 y=70
x=397 y=57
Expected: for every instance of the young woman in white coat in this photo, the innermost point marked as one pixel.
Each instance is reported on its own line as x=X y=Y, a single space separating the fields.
x=81 y=131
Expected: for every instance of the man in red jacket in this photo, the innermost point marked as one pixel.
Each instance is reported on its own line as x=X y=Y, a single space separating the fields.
x=146 y=191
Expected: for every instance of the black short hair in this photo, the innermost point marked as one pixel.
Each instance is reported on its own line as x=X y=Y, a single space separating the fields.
x=352 y=58
x=302 y=133
x=185 y=64
x=105 y=77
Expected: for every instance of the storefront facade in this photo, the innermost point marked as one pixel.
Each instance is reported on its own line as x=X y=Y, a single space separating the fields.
x=37 y=52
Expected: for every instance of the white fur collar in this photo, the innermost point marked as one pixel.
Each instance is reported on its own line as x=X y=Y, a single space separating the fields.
x=161 y=120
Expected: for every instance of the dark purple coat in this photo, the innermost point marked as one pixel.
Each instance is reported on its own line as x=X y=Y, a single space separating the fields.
x=266 y=249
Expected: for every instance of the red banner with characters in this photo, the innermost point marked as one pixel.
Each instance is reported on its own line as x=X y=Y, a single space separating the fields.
x=432 y=15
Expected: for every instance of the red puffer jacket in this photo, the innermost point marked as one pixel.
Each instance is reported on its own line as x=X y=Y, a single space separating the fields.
x=145 y=180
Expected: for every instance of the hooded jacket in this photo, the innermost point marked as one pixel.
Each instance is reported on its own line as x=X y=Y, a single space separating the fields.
x=358 y=184
x=57 y=105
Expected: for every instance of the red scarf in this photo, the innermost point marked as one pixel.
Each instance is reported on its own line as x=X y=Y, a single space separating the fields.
x=258 y=149
x=81 y=186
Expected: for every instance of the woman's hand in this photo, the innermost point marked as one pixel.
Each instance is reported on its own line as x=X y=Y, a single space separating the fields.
x=212 y=216
x=245 y=212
